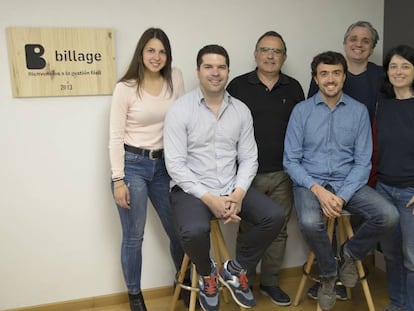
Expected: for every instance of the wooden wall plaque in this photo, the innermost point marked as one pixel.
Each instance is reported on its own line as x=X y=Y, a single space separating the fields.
x=61 y=61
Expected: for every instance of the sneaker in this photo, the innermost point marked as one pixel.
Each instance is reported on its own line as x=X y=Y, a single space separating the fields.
x=238 y=286
x=393 y=308
x=348 y=273
x=276 y=294
x=326 y=293
x=340 y=291
x=209 y=292
x=313 y=291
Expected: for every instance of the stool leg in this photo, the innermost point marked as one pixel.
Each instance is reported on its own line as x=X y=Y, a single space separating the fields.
x=342 y=240
x=220 y=250
x=180 y=280
x=302 y=283
x=194 y=284
x=365 y=286
x=341 y=230
x=220 y=239
x=330 y=229
x=216 y=246
x=361 y=272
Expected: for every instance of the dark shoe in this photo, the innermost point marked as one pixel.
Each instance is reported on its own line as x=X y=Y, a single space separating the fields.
x=393 y=308
x=276 y=294
x=313 y=291
x=238 y=286
x=348 y=273
x=326 y=293
x=209 y=292
x=186 y=294
x=340 y=291
x=136 y=302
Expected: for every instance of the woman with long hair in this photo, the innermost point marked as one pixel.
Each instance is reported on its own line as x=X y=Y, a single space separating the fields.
x=140 y=101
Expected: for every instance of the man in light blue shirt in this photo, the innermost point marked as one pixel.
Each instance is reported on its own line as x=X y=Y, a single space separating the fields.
x=211 y=156
x=328 y=149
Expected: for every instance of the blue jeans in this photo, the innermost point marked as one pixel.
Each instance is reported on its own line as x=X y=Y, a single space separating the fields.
x=379 y=217
x=145 y=179
x=398 y=248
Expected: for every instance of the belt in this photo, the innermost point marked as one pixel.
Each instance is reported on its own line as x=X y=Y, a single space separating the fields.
x=152 y=154
x=176 y=188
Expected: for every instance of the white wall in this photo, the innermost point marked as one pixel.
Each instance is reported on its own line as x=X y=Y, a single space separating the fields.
x=59 y=230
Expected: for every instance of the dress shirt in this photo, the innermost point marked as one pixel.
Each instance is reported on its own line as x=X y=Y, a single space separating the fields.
x=329 y=146
x=364 y=87
x=205 y=153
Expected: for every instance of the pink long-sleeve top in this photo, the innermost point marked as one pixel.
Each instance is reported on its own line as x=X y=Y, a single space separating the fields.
x=138 y=120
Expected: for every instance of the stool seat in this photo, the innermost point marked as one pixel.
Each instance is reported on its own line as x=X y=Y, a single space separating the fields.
x=345 y=232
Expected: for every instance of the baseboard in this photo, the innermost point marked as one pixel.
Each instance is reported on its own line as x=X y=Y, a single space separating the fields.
x=78 y=304
x=152 y=293
x=96 y=302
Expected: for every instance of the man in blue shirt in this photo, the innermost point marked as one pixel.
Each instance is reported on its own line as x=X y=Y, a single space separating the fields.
x=328 y=149
x=363 y=82
x=211 y=156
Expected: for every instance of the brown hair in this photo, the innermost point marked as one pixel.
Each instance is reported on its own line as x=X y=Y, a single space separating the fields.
x=136 y=68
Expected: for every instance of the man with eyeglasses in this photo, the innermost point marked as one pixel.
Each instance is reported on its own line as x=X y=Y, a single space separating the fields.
x=271 y=96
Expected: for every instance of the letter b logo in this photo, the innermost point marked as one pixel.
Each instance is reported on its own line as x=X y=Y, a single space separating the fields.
x=33 y=56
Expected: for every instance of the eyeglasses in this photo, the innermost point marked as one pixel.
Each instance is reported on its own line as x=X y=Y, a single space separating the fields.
x=403 y=67
x=275 y=51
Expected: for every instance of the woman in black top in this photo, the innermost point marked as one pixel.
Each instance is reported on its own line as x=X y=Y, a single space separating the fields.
x=395 y=172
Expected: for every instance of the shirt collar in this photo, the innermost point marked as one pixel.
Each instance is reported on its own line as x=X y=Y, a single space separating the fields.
x=254 y=79
x=200 y=96
x=319 y=100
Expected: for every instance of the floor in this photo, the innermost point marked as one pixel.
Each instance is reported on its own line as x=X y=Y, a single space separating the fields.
x=376 y=280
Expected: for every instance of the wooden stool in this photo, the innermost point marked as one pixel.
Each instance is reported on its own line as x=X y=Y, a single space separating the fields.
x=221 y=255
x=345 y=231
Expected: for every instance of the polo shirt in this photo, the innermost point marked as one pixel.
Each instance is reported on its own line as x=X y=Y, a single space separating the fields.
x=271 y=110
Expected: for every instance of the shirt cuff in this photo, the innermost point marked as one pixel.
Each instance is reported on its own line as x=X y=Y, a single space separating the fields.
x=345 y=195
x=309 y=182
x=198 y=191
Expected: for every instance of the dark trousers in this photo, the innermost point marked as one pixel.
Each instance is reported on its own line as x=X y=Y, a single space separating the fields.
x=192 y=220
